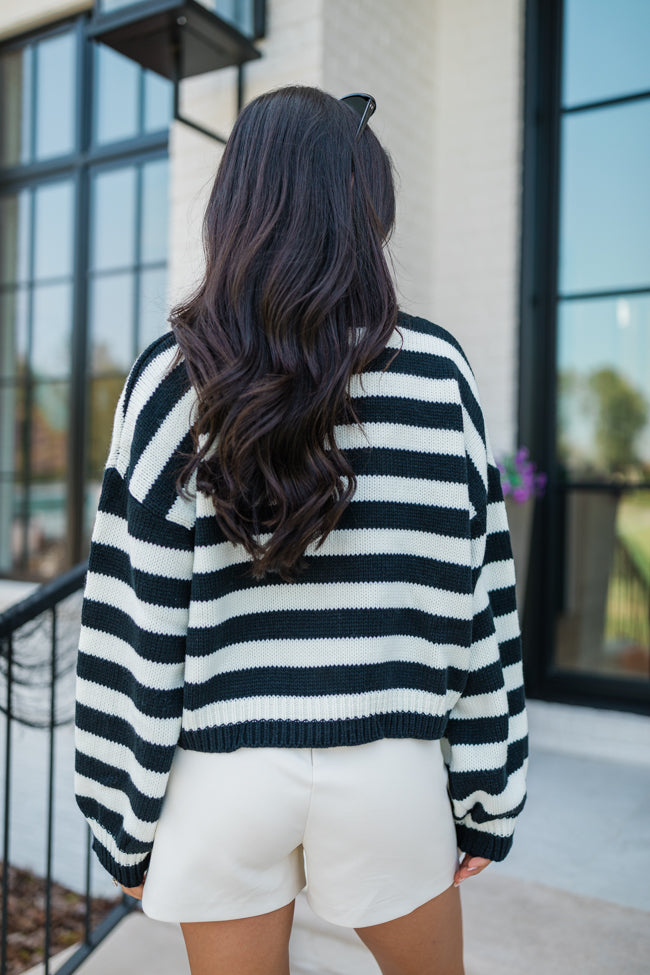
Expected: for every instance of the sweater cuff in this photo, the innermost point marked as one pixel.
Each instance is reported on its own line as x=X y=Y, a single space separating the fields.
x=481 y=844
x=131 y=876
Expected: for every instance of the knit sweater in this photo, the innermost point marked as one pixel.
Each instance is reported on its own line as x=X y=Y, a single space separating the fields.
x=403 y=625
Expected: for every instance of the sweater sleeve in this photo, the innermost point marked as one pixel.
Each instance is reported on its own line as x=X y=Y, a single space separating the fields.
x=130 y=665
x=486 y=739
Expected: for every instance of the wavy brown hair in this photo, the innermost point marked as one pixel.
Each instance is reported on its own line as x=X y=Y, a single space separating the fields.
x=296 y=297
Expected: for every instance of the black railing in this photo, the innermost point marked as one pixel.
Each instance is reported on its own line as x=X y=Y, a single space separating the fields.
x=33 y=670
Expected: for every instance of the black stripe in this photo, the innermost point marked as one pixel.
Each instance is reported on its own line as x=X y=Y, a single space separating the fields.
x=113 y=823
x=150 y=646
x=477 y=731
x=152 y=701
x=156 y=758
x=332 y=624
x=321 y=681
x=116 y=778
x=354 y=569
x=149 y=587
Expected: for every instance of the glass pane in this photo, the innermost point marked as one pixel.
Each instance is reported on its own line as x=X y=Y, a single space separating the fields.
x=49 y=430
x=52 y=330
x=117 y=80
x=605 y=49
x=55 y=95
x=158 y=102
x=111 y=323
x=13 y=332
x=113 y=219
x=153 y=311
x=54 y=230
x=155 y=208
x=103 y=396
x=12 y=413
x=604 y=388
x=14 y=237
x=605 y=199
x=15 y=106
x=603 y=624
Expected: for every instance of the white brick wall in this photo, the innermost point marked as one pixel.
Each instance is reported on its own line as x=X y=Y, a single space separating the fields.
x=17 y=16
x=383 y=47
x=478 y=66
x=291 y=54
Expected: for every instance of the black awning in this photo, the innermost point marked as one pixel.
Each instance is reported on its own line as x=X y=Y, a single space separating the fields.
x=172 y=35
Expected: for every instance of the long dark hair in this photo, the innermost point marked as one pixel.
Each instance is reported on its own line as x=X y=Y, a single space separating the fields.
x=295 y=299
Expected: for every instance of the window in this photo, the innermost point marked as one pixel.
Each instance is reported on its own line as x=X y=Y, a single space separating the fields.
x=83 y=210
x=586 y=341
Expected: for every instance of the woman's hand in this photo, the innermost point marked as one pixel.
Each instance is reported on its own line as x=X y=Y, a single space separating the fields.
x=469 y=867
x=134 y=891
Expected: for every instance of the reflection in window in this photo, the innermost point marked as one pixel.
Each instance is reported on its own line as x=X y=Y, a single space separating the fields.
x=54 y=227
x=13 y=331
x=14 y=237
x=603 y=389
x=52 y=330
x=103 y=396
x=111 y=323
x=603 y=626
x=15 y=106
x=605 y=49
x=117 y=81
x=605 y=199
x=153 y=306
x=113 y=218
x=158 y=102
x=55 y=95
x=154 y=211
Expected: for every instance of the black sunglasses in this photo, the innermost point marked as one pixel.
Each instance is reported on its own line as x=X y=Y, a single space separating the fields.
x=364 y=105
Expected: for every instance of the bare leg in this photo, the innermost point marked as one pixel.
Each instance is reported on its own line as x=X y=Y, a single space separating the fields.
x=428 y=941
x=247 y=946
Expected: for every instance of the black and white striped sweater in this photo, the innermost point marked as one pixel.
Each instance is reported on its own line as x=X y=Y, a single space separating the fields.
x=403 y=625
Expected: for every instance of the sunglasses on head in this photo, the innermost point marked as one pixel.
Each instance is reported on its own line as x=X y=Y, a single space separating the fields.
x=364 y=105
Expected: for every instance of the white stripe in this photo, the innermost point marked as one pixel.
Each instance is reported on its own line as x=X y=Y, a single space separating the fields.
x=415 y=341
x=150 y=617
x=351 y=541
x=143 y=389
x=330 y=596
x=158 y=731
x=496 y=518
x=148 y=673
x=116 y=801
x=401 y=436
x=161 y=446
x=151 y=784
x=478 y=758
x=160 y=560
x=414 y=490
x=507 y=627
x=513 y=676
x=319 y=652
x=321 y=708
x=405 y=386
x=498 y=575
x=491 y=704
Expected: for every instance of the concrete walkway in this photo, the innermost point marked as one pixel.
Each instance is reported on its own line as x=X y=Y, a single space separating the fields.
x=572 y=898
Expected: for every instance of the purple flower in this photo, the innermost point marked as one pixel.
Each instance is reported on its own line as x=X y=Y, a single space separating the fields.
x=520 y=477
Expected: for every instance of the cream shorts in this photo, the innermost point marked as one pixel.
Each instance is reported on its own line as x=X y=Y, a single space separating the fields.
x=368 y=827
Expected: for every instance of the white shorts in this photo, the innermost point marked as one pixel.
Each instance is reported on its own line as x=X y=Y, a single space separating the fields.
x=370 y=825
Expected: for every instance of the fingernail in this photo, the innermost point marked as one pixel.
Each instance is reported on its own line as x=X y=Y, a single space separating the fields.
x=472 y=868
x=458 y=884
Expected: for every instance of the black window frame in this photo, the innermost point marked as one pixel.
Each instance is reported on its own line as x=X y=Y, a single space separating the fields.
x=537 y=399
x=78 y=166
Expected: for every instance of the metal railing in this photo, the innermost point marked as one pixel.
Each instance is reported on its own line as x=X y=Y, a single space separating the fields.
x=32 y=669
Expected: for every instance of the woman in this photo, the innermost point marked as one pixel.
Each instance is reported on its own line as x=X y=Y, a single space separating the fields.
x=299 y=626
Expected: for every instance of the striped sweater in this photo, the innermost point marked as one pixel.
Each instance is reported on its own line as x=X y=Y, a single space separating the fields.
x=404 y=623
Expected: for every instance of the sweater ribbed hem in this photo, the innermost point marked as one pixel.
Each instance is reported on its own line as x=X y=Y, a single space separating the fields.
x=313 y=734
x=480 y=844
x=128 y=876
